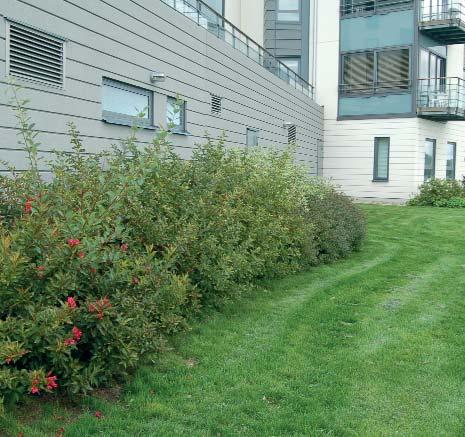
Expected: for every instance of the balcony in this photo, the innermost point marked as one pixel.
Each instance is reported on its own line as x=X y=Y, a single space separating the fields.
x=443 y=21
x=216 y=24
x=351 y=8
x=441 y=99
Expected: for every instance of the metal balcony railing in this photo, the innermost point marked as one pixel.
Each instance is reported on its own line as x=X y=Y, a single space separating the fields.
x=360 y=7
x=373 y=88
x=216 y=24
x=441 y=98
x=444 y=10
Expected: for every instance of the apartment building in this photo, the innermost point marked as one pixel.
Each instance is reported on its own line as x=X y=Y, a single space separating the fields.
x=98 y=63
x=389 y=74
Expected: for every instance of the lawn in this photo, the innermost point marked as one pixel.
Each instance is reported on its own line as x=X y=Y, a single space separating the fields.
x=373 y=345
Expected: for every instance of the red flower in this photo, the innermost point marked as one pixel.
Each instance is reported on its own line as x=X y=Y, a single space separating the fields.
x=28 y=206
x=77 y=334
x=35 y=386
x=81 y=255
x=71 y=302
x=98 y=414
x=124 y=247
x=70 y=341
x=9 y=360
x=40 y=268
x=135 y=280
x=72 y=242
x=51 y=382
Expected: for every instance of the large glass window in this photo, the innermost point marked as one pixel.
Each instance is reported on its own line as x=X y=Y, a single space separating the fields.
x=376 y=72
x=393 y=69
x=176 y=114
x=252 y=137
x=451 y=160
x=381 y=159
x=358 y=72
x=288 y=10
x=126 y=104
x=430 y=159
x=292 y=63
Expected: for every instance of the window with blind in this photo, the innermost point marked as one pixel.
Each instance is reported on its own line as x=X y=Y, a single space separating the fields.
x=381 y=159
x=378 y=71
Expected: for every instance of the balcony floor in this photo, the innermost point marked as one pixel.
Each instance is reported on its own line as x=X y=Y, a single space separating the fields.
x=442 y=113
x=449 y=31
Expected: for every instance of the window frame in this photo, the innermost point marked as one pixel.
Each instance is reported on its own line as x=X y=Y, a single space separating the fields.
x=433 y=170
x=125 y=119
x=376 y=8
x=288 y=11
x=292 y=58
x=182 y=128
x=256 y=132
x=376 y=177
x=375 y=89
x=454 y=160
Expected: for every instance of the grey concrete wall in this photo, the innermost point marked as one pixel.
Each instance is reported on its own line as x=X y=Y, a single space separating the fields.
x=128 y=39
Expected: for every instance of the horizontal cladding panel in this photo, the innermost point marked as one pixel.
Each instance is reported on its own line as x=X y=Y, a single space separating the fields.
x=252 y=96
x=233 y=121
x=148 y=63
x=184 y=42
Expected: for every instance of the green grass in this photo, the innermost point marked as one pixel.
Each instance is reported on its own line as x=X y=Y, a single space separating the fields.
x=370 y=346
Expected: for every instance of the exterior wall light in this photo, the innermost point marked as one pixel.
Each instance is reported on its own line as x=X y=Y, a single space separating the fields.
x=156 y=76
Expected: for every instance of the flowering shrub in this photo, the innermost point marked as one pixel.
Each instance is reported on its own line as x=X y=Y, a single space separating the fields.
x=120 y=249
x=438 y=192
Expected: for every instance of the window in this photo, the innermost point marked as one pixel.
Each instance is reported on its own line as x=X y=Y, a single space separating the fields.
x=451 y=160
x=176 y=114
x=376 y=72
x=430 y=159
x=126 y=104
x=252 y=137
x=433 y=67
x=35 y=55
x=381 y=159
x=358 y=72
x=292 y=63
x=288 y=10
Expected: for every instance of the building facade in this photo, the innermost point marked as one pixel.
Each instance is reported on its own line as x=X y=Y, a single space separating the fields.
x=100 y=63
x=395 y=118
x=389 y=74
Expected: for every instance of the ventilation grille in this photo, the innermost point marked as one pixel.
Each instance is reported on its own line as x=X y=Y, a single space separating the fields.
x=292 y=134
x=216 y=104
x=35 y=55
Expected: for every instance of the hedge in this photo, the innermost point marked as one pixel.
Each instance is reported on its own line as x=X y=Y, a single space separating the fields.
x=118 y=250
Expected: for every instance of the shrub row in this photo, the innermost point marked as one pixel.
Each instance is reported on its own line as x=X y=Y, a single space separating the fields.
x=118 y=250
x=446 y=193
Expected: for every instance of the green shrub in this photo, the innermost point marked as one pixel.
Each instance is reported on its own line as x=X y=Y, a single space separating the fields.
x=437 y=191
x=120 y=249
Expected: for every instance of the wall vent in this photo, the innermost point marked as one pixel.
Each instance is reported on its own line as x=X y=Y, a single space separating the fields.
x=292 y=134
x=35 y=55
x=216 y=104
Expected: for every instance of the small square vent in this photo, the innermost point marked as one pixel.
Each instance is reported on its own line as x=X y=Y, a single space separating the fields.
x=216 y=104
x=35 y=55
x=292 y=134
